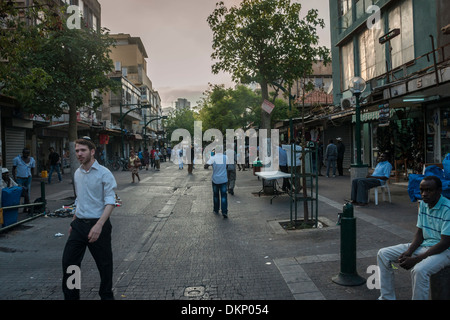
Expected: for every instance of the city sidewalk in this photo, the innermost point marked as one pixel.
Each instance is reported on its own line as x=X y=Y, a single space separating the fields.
x=294 y=264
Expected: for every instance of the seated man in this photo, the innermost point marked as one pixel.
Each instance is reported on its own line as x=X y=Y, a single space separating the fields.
x=361 y=186
x=8 y=182
x=429 y=251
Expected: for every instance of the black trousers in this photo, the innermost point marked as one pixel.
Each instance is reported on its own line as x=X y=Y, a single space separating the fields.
x=101 y=252
x=340 y=168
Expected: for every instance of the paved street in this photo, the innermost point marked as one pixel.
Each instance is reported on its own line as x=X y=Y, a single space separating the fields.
x=169 y=245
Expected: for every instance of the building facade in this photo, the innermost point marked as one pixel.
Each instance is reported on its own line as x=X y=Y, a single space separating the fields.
x=36 y=132
x=400 y=49
x=129 y=57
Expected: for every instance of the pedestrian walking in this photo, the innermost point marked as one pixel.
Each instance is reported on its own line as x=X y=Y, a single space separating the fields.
x=330 y=157
x=91 y=226
x=21 y=171
x=141 y=157
x=146 y=158
x=134 y=164
x=283 y=164
x=55 y=164
x=180 y=159
x=152 y=157
x=158 y=156
x=429 y=251
x=340 y=156
x=191 y=162
x=219 y=181
x=231 y=170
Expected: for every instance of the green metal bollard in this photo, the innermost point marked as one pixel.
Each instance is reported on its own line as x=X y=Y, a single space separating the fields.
x=348 y=275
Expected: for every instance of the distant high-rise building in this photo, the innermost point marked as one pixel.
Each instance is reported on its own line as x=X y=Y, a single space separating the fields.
x=182 y=103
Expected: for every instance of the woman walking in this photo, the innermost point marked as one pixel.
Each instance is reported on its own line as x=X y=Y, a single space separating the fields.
x=134 y=164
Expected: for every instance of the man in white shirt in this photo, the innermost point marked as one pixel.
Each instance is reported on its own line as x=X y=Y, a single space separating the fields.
x=219 y=181
x=91 y=228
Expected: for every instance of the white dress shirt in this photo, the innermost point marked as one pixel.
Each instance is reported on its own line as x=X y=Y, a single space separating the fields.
x=95 y=190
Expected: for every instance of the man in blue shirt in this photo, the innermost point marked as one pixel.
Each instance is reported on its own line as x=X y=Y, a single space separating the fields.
x=21 y=170
x=429 y=251
x=91 y=227
x=361 y=186
x=219 y=180
x=282 y=161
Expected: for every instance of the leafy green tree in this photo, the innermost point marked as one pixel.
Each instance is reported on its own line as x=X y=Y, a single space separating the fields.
x=265 y=41
x=228 y=108
x=183 y=118
x=52 y=69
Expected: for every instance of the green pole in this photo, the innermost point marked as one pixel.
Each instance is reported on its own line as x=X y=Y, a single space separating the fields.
x=348 y=275
x=358 y=131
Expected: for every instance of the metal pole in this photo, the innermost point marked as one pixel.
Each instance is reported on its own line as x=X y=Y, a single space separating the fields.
x=358 y=131
x=121 y=131
x=348 y=275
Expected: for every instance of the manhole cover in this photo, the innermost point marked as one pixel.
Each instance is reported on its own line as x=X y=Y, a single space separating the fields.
x=194 y=292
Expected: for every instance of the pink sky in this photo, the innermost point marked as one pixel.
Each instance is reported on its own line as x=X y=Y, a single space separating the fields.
x=177 y=39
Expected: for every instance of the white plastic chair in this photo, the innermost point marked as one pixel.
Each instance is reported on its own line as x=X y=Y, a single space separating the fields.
x=383 y=189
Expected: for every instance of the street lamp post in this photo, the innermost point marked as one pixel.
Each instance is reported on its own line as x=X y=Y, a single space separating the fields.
x=147 y=123
x=123 y=115
x=357 y=86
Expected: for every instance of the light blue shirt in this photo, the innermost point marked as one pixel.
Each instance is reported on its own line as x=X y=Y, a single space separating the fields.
x=282 y=157
x=434 y=222
x=95 y=190
x=23 y=169
x=219 y=164
x=383 y=169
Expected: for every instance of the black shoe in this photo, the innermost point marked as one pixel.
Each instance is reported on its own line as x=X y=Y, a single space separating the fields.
x=216 y=212
x=225 y=216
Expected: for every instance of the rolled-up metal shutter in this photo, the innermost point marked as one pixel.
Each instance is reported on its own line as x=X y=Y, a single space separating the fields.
x=14 y=144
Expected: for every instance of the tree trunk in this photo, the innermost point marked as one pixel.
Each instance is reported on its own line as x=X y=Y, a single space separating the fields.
x=73 y=135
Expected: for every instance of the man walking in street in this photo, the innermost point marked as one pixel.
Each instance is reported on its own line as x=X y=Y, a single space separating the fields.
x=429 y=251
x=90 y=227
x=340 y=156
x=55 y=164
x=331 y=156
x=219 y=180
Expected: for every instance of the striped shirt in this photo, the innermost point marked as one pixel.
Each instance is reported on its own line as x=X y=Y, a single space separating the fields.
x=434 y=222
x=95 y=189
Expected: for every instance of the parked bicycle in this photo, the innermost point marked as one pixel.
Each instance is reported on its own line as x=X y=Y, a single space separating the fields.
x=113 y=164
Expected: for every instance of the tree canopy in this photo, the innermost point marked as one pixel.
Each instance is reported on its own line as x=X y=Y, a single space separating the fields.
x=265 y=41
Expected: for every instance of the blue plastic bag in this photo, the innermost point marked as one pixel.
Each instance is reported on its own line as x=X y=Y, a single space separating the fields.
x=446 y=165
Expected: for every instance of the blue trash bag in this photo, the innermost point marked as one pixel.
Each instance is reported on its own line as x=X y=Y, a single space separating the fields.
x=436 y=171
x=446 y=165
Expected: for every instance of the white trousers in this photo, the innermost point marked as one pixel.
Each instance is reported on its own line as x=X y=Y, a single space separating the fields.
x=420 y=273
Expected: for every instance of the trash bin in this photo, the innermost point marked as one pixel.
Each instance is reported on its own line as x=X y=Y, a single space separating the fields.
x=257 y=166
x=10 y=197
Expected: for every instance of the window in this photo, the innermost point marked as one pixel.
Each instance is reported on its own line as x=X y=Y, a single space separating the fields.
x=372 y=55
x=345 y=14
x=403 y=45
x=348 y=65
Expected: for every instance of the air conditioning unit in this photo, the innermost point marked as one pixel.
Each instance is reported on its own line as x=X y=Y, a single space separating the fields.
x=347 y=103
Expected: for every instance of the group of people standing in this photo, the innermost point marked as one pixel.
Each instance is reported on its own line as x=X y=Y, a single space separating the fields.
x=334 y=156
x=147 y=158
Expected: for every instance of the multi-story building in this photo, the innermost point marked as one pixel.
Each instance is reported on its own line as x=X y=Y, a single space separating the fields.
x=129 y=57
x=182 y=103
x=399 y=48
